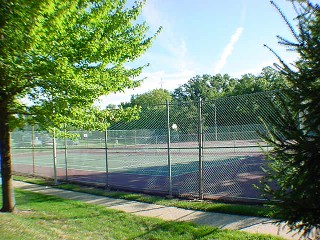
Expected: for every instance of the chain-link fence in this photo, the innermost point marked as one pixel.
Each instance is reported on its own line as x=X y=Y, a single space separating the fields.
x=197 y=149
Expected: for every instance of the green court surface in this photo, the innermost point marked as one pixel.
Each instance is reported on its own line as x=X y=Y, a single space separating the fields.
x=139 y=161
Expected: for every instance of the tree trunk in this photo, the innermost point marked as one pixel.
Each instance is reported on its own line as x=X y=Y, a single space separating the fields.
x=6 y=166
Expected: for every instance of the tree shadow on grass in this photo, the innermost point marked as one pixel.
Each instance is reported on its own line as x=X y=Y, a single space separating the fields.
x=178 y=229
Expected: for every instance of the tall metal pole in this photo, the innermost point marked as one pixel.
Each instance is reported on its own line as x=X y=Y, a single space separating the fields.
x=215 y=121
x=65 y=154
x=106 y=156
x=200 y=142
x=33 y=155
x=54 y=147
x=168 y=148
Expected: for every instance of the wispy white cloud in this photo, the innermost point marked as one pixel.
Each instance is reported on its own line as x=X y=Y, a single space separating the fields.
x=174 y=46
x=159 y=79
x=152 y=16
x=256 y=69
x=169 y=81
x=171 y=63
x=227 y=51
x=258 y=66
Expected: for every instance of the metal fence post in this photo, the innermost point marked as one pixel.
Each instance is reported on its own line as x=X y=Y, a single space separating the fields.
x=33 y=153
x=234 y=141
x=200 y=142
x=215 y=121
x=168 y=148
x=106 y=156
x=54 y=148
x=65 y=154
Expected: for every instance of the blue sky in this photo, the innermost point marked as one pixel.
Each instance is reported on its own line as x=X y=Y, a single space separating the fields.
x=208 y=37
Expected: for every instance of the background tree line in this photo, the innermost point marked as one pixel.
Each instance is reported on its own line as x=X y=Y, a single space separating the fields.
x=212 y=89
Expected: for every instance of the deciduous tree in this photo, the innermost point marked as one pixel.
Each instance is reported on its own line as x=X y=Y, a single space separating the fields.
x=206 y=86
x=269 y=79
x=153 y=97
x=61 y=56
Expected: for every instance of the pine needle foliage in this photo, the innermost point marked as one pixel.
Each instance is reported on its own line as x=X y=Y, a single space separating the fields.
x=293 y=172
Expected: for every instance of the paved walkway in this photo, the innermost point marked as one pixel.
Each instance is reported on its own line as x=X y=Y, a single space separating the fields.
x=224 y=221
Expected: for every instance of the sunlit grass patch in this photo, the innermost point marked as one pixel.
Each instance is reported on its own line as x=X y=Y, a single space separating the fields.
x=46 y=217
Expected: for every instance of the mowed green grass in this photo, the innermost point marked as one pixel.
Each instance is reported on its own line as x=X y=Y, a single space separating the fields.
x=266 y=210
x=45 y=217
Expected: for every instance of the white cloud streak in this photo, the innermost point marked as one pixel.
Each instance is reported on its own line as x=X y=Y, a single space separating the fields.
x=158 y=79
x=175 y=67
x=227 y=51
x=170 y=41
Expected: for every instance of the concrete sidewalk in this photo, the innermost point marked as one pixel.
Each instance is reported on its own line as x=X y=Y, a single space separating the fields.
x=224 y=221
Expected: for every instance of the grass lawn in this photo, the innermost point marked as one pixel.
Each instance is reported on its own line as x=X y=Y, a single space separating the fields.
x=45 y=217
x=208 y=206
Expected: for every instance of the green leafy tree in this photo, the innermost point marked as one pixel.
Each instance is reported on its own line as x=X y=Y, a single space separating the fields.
x=62 y=56
x=268 y=79
x=153 y=97
x=152 y=114
x=206 y=86
x=294 y=166
x=275 y=79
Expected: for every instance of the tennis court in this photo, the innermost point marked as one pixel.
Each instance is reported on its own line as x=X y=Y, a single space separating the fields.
x=146 y=159
x=145 y=167
x=201 y=150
